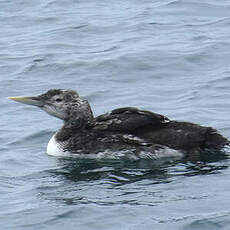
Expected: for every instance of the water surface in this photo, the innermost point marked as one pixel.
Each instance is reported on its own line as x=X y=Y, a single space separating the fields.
x=169 y=56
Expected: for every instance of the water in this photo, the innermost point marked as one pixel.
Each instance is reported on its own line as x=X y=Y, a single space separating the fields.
x=169 y=56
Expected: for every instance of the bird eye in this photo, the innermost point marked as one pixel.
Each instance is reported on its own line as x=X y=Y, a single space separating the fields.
x=58 y=100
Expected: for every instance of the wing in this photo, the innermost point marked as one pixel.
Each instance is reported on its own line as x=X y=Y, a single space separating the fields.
x=146 y=128
x=129 y=119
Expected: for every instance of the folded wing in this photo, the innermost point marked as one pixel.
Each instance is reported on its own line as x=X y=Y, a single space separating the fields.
x=129 y=119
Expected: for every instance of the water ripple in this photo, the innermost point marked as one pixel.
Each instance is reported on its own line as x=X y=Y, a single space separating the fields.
x=170 y=56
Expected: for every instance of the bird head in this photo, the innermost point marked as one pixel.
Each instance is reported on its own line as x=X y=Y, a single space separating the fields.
x=63 y=104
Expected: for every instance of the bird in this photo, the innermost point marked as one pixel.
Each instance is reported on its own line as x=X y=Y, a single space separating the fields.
x=126 y=129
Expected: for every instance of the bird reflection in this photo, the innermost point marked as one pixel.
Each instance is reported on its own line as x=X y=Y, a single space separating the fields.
x=123 y=172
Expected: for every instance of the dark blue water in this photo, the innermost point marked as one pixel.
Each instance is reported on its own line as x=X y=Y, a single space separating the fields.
x=168 y=56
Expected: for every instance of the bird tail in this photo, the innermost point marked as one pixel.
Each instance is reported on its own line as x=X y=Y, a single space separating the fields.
x=215 y=139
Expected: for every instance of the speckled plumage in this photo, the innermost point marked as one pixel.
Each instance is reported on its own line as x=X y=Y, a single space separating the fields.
x=121 y=129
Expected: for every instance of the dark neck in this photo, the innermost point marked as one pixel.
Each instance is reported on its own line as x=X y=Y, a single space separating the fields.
x=78 y=121
x=71 y=128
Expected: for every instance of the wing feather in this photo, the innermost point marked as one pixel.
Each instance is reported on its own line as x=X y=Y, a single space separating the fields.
x=128 y=119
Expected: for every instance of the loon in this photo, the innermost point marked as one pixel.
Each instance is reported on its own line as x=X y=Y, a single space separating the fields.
x=121 y=129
